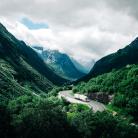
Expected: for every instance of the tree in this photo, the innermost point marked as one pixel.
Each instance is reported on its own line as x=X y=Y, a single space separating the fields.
x=6 y=130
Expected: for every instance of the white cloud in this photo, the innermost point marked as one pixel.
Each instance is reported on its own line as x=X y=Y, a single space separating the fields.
x=85 y=29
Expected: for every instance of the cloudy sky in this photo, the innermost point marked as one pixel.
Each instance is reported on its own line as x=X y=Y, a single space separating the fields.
x=85 y=29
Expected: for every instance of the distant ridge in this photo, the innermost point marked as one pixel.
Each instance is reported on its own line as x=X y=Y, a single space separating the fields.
x=123 y=57
x=61 y=63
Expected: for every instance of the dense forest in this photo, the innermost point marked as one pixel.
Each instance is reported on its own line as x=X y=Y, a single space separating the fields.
x=121 y=83
x=39 y=117
x=30 y=107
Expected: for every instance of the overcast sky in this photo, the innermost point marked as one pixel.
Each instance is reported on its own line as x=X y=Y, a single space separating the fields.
x=85 y=29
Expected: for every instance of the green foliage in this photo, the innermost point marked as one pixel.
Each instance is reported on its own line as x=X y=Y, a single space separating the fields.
x=6 y=129
x=120 y=100
x=102 y=125
x=123 y=57
x=79 y=88
x=35 y=117
x=132 y=107
x=77 y=108
x=123 y=83
x=29 y=112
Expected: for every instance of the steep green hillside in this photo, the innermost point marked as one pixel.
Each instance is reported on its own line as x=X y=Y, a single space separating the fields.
x=37 y=63
x=21 y=69
x=123 y=83
x=123 y=57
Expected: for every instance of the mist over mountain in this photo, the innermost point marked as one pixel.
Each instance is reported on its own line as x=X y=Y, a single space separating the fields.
x=61 y=63
x=64 y=70
x=21 y=69
x=29 y=93
x=117 y=60
x=79 y=66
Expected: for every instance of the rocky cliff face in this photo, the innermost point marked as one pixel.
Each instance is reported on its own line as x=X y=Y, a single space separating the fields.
x=61 y=63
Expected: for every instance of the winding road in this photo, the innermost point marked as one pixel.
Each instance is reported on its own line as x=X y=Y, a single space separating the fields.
x=69 y=96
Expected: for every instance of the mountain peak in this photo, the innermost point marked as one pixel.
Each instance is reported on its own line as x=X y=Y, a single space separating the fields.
x=61 y=63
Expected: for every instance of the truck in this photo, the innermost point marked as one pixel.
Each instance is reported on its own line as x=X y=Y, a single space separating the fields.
x=81 y=97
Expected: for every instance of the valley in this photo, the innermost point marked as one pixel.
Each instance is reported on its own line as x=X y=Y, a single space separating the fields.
x=37 y=94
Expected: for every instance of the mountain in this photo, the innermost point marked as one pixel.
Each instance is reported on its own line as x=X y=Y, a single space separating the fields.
x=82 y=68
x=79 y=66
x=121 y=87
x=60 y=63
x=89 y=64
x=123 y=57
x=21 y=69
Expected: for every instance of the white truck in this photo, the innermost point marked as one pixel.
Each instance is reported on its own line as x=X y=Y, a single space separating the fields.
x=81 y=97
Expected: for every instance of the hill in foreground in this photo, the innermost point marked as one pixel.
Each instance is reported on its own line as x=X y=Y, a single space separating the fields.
x=21 y=69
